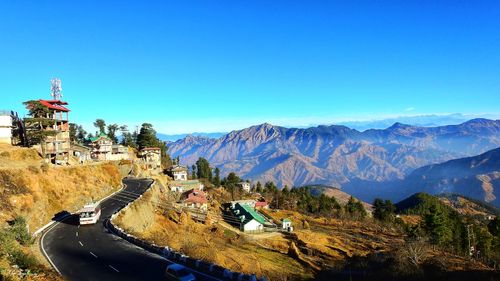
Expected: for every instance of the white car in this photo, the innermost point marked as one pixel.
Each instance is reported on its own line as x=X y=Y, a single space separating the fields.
x=178 y=272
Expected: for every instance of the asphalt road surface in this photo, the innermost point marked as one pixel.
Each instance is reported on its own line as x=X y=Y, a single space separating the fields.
x=91 y=252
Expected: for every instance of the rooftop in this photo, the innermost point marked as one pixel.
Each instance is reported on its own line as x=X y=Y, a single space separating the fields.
x=150 y=148
x=254 y=214
x=178 y=168
x=55 y=104
x=101 y=135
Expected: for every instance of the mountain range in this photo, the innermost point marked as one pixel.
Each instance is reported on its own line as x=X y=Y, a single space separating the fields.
x=476 y=177
x=358 y=162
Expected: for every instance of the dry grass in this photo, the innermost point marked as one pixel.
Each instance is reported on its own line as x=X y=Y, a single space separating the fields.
x=328 y=243
x=37 y=192
x=39 y=195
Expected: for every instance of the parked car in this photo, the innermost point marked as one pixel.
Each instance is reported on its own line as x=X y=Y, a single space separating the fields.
x=178 y=272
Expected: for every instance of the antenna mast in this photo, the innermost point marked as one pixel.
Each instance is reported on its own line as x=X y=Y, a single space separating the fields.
x=55 y=88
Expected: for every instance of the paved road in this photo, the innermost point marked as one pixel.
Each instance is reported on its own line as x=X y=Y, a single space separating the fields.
x=90 y=252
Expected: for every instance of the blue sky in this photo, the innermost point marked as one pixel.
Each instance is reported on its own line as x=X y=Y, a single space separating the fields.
x=210 y=66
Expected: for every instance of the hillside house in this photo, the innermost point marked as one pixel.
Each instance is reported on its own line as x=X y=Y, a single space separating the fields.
x=5 y=127
x=245 y=186
x=81 y=152
x=251 y=220
x=248 y=202
x=286 y=224
x=56 y=147
x=183 y=186
x=151 y=156
x=195 y=199
x=178 y=172
x=119 y=152
x=261 y=204
x=101 y=147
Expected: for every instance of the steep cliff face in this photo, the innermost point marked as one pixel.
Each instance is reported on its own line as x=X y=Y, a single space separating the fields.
x=337 y=155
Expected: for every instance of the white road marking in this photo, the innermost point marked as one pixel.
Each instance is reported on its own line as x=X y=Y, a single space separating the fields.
x=93 y=255
x=76 y=234
x=78 y=226
x=113 y=268
x=80 y=243
x=45 y=252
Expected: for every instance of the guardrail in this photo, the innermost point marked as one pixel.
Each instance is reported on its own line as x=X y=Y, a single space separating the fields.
x=177 y=257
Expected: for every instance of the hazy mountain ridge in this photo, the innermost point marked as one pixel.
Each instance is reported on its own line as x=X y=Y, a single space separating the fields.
x=477 y=177
x=337 y=155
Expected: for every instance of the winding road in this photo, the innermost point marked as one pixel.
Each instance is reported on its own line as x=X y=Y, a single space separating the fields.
x=91 y=252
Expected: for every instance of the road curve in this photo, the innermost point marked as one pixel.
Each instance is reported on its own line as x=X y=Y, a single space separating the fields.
x=90 y=252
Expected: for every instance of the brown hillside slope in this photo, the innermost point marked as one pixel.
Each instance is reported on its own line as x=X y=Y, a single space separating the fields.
x=277 y=256
x=37 y=192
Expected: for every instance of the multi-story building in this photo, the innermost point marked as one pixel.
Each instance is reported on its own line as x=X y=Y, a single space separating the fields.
x=151 y=156
x=178 y=173
x=102 y=147
x=57 y=146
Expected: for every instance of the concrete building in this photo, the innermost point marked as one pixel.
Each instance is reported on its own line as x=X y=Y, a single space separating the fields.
x=5 y=127
x=195 y=199
x=119 y=152
x=286 y=224
x=251 y=220
x=245 y=186
x=261 y=204
x=56 y=147
x=151 y=156
x=81 y=152
x=183 y=186
x=248 y=202
x=178 y=172
x=102 y=147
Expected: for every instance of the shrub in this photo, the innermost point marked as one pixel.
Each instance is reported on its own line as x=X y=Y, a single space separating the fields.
x=24 y=261
x=20 y=231
x=45 y=167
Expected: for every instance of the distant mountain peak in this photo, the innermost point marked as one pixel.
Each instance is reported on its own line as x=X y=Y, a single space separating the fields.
x=399 y=125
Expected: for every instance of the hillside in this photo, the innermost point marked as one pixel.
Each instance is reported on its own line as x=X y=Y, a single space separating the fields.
x=324 y=244
x=476 y=177
x=341 y=196
x=36 y=192
x=337 y=155
x=468 y=206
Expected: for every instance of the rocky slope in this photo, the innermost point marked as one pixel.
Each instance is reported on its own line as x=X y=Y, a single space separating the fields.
x=337 y=155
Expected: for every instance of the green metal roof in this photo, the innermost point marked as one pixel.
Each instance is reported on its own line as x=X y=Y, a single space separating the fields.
x=99 y=136
x=258 y=217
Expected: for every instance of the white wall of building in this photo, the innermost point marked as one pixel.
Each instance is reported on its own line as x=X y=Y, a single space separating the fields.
x=5 y=129
x=252 y=225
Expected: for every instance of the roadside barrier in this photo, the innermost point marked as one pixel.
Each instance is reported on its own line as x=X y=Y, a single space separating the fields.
x=177 y=257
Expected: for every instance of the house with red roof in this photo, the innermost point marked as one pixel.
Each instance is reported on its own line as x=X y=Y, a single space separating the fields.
x=261 y=204
x=195 y=199
x=56 y=147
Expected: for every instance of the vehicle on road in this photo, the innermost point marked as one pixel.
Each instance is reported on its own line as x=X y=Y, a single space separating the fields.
x=90 y=214
x=178 y=272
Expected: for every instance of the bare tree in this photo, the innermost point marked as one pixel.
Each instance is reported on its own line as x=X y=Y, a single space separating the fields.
x=415 y=251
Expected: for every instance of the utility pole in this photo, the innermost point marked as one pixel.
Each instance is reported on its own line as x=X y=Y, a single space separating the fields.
x=470 y=236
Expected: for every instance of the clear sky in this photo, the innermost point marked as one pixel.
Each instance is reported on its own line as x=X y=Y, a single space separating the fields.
x=210 y=66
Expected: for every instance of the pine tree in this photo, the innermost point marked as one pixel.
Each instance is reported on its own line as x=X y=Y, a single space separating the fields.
x=36 y=124
x=383 y=211
x=258 y=187
x=216 y=179
x=101 y=125
x=436 y=225
x=193 y=172
x=203 y=169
